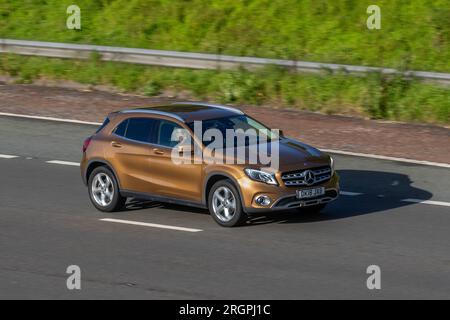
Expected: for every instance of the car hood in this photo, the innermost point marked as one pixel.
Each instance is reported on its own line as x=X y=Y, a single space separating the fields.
x=296 y=155
x=293 y=155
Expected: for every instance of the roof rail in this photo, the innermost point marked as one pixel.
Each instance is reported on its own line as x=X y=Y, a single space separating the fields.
x=217 y=106
x=157 y=112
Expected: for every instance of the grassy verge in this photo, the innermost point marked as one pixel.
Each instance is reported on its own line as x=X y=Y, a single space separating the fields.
x=373 y=96
x=415 y=34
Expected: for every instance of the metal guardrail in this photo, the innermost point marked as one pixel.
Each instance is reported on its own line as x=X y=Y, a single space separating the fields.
x=189 y=59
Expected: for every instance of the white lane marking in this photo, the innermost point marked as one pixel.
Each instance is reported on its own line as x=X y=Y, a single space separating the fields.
x=436 y=203
x=64 y=163
x=48 y=118
x=348 y=153
x=376 y=156
x=151 y=225
x=348 y=193
x=7 y=156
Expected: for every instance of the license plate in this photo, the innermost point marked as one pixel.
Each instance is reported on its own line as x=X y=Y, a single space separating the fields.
x=310 y=193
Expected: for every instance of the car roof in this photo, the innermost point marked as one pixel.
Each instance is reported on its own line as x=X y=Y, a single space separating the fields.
x=188 y=111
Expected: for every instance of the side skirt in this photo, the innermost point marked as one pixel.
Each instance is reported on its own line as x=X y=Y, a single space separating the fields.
x=150 y=197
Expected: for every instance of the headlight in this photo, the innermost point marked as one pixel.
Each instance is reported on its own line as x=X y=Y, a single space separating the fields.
x=261 y=176
x=332 y=165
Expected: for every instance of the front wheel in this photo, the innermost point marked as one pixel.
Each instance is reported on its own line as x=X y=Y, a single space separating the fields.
x=104 y=190
x=225 y=204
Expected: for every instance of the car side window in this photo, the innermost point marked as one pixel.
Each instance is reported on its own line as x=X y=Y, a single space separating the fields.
x=121 y=129
x=169 y=133
x=140 y=129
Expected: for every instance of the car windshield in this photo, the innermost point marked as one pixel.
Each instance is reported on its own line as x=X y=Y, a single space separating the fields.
x=245 y=129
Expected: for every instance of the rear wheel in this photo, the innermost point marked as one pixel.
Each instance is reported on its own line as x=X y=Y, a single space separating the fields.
x=225 y=204
x=104 y=190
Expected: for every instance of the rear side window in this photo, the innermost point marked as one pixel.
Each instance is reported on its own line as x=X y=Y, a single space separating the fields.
x=121 y=129
x=140 y=129
x=104 y=124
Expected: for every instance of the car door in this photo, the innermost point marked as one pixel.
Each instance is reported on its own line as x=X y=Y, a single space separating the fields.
x=170 y=177
x=131 y=148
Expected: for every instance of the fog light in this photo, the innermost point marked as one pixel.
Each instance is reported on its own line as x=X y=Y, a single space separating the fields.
x=263 y=200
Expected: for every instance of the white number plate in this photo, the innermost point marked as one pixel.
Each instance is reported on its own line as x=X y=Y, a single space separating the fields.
x=310 y=193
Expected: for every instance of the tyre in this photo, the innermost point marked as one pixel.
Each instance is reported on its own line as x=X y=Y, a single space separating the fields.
x=225 y=205
x=313 y=209
x=104 y=190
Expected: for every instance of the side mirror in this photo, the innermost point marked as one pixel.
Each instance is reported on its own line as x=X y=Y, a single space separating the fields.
x=281 y=133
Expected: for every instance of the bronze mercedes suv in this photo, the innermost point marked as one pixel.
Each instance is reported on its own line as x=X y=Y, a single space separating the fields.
x=133 y=155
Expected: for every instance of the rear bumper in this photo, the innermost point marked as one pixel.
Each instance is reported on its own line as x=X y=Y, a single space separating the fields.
x=83 y=168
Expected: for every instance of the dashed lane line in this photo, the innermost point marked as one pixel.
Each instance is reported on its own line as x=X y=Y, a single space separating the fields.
x=7 y=156
x=435 y=203
x=348 y=193
x=64 y=163
x=343 y=193
x=151 y=225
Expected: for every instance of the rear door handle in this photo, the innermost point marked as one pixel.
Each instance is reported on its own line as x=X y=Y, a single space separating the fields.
x=116 y=144
x=158 y=151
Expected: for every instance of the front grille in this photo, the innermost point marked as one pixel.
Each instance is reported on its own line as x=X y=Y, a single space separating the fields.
x=306 y=177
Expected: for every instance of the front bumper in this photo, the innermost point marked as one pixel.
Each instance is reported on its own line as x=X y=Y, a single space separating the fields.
x=284 y=198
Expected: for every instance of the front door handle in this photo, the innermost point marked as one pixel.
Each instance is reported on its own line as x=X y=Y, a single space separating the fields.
x=158 y=151
x=116 y=144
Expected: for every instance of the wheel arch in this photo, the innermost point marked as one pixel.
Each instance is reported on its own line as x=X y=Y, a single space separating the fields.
x=95 y=163
x=214 y=177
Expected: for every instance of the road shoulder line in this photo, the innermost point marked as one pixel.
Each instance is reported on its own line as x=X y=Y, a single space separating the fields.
x=380 y=157
x=14 y=115
x=341 y=152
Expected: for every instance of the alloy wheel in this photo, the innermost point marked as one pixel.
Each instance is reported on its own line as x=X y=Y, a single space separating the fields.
x=102 y=189
x=224 y=204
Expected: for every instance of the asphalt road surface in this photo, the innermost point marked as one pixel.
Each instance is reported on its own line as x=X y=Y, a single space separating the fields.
x=47 y=223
